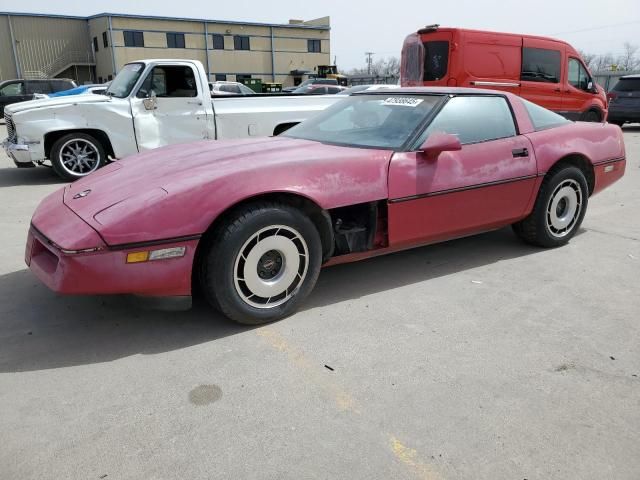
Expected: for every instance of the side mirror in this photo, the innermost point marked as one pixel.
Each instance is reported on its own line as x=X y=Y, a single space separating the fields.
x=440 y=142
x=150 y=102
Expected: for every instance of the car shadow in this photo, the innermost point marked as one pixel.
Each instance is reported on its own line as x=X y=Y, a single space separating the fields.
x=17 y=177
x=41 y=330
x=631 y=128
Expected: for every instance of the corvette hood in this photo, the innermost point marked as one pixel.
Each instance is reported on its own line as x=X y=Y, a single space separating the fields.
x=209 y=174
x=55 y=102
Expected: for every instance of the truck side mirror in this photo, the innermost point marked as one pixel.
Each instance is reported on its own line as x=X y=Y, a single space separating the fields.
x=440 y=142
x=150 y=102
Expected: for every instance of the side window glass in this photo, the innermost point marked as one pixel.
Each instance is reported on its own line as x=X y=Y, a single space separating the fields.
x=540 y=65
x=474 y=119
x=38 y=87
x=170 y=82
x=12 y=89
x=578 y=75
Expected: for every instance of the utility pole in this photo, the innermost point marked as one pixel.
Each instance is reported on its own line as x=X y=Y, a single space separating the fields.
x=369 y=61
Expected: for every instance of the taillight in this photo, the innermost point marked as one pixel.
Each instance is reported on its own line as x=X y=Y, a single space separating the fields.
x=612 y=96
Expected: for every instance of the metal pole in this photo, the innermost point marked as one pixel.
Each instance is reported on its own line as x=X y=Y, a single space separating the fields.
x=113 y=51
x=15 y=50
x=273 y=59
x=206 y=49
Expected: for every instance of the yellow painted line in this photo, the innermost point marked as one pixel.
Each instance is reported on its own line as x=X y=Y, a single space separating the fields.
x=342 y=399
x=409 y=457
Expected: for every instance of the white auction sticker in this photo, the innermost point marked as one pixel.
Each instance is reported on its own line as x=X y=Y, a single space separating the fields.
x=403 y=101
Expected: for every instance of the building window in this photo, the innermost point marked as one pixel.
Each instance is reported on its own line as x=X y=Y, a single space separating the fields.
x=175 y=40
x=110 y=77
x=218 y=41
x=240 y=77
x=105 y=40
x=221 y=77
x=241 y=42
x=133 y=39
x=100 y=80
x=95 y=44
x=313 y=46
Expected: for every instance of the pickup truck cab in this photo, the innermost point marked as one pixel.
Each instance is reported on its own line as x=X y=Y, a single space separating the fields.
x=150 y=103
x=543 y=70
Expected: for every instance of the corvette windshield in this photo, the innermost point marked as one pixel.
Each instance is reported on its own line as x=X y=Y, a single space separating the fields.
x=125 y=80
x=375 y=121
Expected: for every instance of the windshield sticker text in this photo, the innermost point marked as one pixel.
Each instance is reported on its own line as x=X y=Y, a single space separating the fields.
x=403 y=101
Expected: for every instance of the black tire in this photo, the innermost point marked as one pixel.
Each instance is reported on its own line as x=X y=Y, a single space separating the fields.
x=543 y=226
x=229 y=256
x=591 y=116
x=72 y=168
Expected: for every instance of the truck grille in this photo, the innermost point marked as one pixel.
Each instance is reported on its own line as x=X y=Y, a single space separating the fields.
x=11 y=129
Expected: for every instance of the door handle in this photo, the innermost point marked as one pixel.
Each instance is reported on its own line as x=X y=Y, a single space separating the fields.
x=520 y=152
x=557 y=90
x=195 y=103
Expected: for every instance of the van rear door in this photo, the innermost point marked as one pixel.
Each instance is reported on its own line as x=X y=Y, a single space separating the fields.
x=437 y=55
x=542 y=74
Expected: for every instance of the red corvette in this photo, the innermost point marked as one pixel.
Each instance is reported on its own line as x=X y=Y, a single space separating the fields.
x=251 y=222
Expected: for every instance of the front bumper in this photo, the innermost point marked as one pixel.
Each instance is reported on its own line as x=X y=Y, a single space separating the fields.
x=105 y=271
x=19 y=153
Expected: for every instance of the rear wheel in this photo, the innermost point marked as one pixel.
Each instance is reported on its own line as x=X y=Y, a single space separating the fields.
x=261 y=264
x=76 y=155
x=559 y=209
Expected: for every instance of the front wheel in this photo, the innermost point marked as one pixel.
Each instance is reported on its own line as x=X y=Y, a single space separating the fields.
x=262 y=263
x=591 y=116
x=558 y=211
x=76 y=155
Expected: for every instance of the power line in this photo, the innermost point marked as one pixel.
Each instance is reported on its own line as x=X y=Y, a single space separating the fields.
x=602 y=27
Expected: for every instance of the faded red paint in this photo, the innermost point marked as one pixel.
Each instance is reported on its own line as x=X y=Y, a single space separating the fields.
x=180 y=190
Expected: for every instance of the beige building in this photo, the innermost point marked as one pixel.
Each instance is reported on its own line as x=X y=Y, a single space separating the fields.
x=93 y=49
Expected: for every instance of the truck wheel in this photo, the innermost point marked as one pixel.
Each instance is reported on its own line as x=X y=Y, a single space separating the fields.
x=262 y=263
x=591 y=116
x=76 y=155
x=558 y=211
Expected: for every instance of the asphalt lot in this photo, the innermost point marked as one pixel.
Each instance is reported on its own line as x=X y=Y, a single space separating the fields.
x=480 y=358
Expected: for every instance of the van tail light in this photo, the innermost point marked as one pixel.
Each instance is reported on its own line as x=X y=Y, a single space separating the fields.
x=612 y=96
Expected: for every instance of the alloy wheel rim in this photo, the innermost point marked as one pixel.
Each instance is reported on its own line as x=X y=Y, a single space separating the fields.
x=79 y=157
x=564 y=208
x=271 y=266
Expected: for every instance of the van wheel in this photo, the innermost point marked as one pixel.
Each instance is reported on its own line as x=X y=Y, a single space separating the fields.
x=76 y=155
x=591 y=116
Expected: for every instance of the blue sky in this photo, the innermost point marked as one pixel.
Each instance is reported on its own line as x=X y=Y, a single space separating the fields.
x=358 y=26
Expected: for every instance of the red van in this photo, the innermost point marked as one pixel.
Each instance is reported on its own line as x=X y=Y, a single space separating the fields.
x=543 y=70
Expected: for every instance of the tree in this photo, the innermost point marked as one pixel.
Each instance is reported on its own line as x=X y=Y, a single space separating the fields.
x=588 y=58
x=603 y=62
x=629 y=59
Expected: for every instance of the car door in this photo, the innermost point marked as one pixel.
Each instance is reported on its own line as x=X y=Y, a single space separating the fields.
x=38 y=87
x=577 y=94
x=179 y=115
x=13 y=92
x=541 y=79
x=485 y=185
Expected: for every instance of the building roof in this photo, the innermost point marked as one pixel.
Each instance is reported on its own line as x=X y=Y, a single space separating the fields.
x=307 y=25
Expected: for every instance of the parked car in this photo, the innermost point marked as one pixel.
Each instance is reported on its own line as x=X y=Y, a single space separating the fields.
x=229 y=88
x=624 y=100
x=312 y=81
x=366 y=88
x=543 y=70
x=319 y=89
x=97 y=89
x=149 y=104
x=20 y=90
x=254 y=220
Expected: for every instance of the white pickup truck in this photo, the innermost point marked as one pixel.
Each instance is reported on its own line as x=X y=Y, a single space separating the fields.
x=149 y=104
